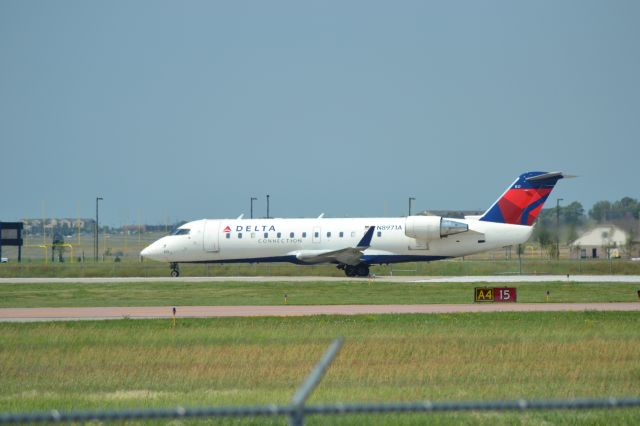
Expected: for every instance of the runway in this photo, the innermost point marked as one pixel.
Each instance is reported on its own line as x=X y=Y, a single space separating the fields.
x=391 y=279
x=104 y=313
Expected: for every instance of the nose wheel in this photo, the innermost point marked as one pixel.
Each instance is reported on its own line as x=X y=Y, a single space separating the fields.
x=175 y=271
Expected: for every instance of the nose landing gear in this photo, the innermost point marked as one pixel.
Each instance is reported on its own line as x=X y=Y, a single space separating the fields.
x=359 y=270
x=175 y=271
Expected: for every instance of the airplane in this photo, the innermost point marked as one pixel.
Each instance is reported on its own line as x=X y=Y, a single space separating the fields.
x=354 y=244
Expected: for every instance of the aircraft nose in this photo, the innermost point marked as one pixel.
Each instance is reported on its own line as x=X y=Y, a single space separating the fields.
x=145 y=251
x=151 y=252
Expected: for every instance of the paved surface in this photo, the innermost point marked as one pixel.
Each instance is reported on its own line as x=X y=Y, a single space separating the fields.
x=66 y=314
x=531 y=278
x=459 y=279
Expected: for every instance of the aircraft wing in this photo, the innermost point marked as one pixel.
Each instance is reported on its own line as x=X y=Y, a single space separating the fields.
x=347 y=255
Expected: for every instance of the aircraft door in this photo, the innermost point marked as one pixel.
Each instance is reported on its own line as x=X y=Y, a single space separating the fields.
x=211 y=236
x=316 y=237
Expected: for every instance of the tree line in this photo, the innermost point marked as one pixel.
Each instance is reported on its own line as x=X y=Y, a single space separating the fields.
x=572 y=217
x=601 y=212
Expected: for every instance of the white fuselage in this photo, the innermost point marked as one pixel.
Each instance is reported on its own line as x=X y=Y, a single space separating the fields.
x=296 y=240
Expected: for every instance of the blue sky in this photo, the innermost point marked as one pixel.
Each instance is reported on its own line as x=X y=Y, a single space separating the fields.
x=184 y=110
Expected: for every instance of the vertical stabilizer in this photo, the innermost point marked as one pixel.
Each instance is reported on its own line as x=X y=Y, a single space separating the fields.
x=523 y=200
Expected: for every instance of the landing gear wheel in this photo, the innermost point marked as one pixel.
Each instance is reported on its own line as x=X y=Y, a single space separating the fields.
x=362 y=270
x=350 y=271
x=175 y=271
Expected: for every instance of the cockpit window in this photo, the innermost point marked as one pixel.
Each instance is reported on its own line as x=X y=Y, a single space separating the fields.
x=181 y=231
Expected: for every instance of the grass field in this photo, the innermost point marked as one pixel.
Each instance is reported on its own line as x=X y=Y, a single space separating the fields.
x=126 y=363
x=234 y=361
x=298 y=293
x=130 y=268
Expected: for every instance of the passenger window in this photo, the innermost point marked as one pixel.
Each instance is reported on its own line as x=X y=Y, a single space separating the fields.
x=353 y=234
x=279 y=234
x=316 y=234
x=266 y=235
x=328 y=234
x=239 y=235
x=341 y=234
x=228 y=236
x=379 y=233
x=253 y=235
x=304 y=235
x=291 y=235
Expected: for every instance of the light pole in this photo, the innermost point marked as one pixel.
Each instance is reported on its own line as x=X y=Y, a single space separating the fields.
x=410 y=200
x=97 y=229
x=558 y=228
x=267 y=206
x=252 y=200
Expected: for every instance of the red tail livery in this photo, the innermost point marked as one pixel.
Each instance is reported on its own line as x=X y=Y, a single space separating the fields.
x=523 y=200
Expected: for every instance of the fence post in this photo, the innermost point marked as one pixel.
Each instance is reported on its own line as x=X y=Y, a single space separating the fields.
x=310 y=383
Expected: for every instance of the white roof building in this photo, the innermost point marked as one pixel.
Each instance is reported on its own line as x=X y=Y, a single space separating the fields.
x=599 y=239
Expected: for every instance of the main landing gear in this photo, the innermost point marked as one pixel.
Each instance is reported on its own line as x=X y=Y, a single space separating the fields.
x=175 y=271
x=359 y=270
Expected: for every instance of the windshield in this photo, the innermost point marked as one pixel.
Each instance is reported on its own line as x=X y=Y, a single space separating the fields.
x=181 y=231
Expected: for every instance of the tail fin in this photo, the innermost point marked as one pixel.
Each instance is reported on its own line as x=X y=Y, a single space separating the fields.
x=523 y=200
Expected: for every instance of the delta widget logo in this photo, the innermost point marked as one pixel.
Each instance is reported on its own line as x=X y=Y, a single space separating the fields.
x=250 y=228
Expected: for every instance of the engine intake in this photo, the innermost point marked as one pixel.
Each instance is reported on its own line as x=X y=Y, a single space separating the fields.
x=432 y=227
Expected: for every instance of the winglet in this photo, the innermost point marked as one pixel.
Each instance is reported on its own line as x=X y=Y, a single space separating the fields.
x=366 y=240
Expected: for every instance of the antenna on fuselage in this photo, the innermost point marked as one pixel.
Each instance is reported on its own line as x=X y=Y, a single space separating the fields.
x=321 y=216
x=240 y=217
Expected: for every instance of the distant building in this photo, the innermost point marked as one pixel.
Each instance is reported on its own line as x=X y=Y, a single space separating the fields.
x=66 y=225
x=601 y=242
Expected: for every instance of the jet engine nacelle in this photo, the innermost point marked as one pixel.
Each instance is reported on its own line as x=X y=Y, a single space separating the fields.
x=432 y=227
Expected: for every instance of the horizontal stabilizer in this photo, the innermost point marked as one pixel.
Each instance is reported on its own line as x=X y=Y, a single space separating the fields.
x=545 y=176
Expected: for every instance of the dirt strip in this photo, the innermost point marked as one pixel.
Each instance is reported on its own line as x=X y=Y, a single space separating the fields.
x=45 y=314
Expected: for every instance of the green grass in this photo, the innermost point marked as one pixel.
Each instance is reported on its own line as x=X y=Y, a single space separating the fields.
x=229 y=361
x=298 y=293
x=131 y=268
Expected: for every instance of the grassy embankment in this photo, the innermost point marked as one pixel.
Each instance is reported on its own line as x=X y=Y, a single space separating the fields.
x=125 y=363
x=440 y=268
x=299 y=293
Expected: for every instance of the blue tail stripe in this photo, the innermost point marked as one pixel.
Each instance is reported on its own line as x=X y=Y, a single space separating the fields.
x=493 y=215
x=532 y=206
